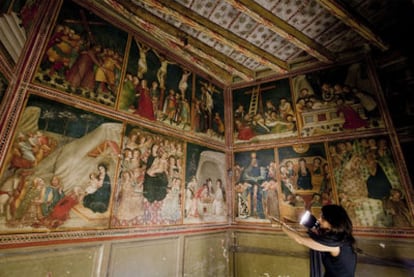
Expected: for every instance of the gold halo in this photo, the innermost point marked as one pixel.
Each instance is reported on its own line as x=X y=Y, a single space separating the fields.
x=301 y=148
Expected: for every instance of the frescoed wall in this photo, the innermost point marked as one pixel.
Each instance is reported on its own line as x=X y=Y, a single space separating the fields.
x=264 y=112
x=60 y=170
x=150 y=180
x=84 y=56
x=160 y=90
x=359 y=174
x=205 y=191
x=368 y=183
x=117 y=142
x=336 y=100
x=255 y=185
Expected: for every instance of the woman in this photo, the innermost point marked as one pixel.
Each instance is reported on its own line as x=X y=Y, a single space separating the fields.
x=99 y=200
x=332 y=243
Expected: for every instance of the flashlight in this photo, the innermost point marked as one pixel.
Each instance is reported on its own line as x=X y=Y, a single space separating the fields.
x=309 y=221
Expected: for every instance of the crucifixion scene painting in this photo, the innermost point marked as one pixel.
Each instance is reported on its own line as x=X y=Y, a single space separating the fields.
x=159 y=90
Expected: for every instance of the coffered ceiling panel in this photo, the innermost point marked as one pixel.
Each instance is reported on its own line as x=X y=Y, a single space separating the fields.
x=251 y=39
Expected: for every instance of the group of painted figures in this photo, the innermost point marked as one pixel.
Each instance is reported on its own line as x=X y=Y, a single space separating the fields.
x=93 y=71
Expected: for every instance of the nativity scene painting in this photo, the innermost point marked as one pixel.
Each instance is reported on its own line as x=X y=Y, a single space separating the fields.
x=336 y=100
x=60 y=171
x=264 y=112
x=157 y=89
x=303 y=176
x=368 y=183
x=150 y=183
x=84 y=56
x=205 y=197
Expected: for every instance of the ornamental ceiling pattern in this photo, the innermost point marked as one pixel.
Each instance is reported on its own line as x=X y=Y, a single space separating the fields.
x=243 y=40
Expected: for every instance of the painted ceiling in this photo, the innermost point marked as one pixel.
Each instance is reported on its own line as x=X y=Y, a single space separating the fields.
x=244 y=40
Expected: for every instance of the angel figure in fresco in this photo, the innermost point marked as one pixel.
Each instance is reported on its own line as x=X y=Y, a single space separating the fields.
x=142 y=62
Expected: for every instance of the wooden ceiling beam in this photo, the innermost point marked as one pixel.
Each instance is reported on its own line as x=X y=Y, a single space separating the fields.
x=203 y=25
x=283 y=29
x=355 y=21
x=150 y=28
x=193 y=45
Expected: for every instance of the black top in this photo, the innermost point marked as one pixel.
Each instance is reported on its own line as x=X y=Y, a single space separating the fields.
x=344 y=264
x=341 y=266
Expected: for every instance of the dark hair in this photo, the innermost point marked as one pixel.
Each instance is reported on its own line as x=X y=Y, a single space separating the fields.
x=341 y=224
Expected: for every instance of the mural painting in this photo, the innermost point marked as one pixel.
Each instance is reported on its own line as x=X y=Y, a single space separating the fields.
x=59 y=172
x=368 y=183
x=256 y=188
x=158 y=89
x=205 y=191
x=264 y=112
x=84 y=56
x=336 y=100
x=150 y=180
x=304 y=178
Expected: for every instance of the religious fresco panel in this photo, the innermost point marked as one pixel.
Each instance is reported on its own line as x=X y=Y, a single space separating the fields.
x=304 y=178
x=205 y=199
x=264 y=112
x=157 y=89
x=281 y=183
x=150 y=182
x=84 y=56
x=336 y=100
x=368 y=183
x=59 y=173
x=256 y=190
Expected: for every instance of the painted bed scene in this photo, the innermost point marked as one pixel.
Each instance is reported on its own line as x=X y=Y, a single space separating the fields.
x=205 y=196
x=264 y=112
x=59 y=172
x=368 y=183
x=336 y=100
